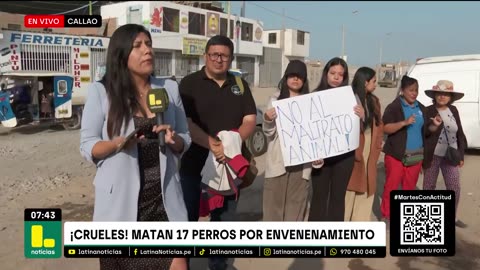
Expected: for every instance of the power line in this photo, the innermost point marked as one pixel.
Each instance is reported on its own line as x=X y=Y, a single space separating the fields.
x=274 y=12
x=73 y=10
x=28 y=6
x=55 y=3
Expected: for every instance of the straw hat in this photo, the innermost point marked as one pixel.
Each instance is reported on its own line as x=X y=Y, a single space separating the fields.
x=444 y=86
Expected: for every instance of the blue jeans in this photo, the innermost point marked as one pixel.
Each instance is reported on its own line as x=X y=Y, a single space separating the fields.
x=191 y=196
x=226 y=213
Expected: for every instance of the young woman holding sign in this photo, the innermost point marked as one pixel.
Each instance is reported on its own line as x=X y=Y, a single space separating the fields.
x=285 y=191
x=362 y=185
x=330 y=182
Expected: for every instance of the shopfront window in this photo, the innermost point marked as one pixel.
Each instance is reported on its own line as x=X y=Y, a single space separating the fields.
x=196 y=23
x=163 y=64
x=185 y=64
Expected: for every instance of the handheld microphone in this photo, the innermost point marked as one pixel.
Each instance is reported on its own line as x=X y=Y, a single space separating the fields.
x=157 y=101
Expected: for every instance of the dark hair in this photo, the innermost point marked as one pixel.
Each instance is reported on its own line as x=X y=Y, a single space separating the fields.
x=118 y=82
x=368 y=100
x=298 y=68
x=285 y=91
x=407 y=81
x=333 y=62
x=220 y=40
x=449 y=103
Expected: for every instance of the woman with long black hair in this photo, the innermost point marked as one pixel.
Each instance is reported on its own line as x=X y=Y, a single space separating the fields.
x=362 y=185
x=329 y=183
x=135 y=181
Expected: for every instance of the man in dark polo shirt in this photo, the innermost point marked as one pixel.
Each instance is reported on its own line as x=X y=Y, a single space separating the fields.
x=213 y=102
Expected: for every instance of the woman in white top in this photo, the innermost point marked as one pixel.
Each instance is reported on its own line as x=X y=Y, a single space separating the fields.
x=286 y=189
x=450 y=133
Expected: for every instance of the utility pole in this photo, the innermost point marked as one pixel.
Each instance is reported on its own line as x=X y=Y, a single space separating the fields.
x=381 y=51
x=343 y=41
x=355 y=12
x=228 y=19
x=282 y=42
x=242 y=11
x=381 y=46
x=282 y=35
x=89 y=7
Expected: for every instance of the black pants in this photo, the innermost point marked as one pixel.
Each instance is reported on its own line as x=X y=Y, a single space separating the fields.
x=191 y=196
x=329 y=185
x=191 y=193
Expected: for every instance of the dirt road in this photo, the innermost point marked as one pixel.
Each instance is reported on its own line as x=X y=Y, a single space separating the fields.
x=42 y=167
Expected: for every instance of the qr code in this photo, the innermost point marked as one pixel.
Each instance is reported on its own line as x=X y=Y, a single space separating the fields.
x=422 y=224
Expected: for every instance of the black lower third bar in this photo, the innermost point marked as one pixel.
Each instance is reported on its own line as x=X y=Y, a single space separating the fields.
x=225 y=251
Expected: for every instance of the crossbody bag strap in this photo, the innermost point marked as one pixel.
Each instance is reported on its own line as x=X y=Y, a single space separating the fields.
x=446 y=134
x=444 y=130
x=239 y=82
x=231 y=181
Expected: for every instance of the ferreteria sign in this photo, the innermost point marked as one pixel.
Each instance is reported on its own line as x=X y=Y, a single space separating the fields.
x=34 y=38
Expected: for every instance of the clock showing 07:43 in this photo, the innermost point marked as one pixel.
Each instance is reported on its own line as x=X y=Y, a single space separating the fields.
x=43 y=233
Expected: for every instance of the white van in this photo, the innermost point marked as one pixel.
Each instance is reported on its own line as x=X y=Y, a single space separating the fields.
x=464 y=72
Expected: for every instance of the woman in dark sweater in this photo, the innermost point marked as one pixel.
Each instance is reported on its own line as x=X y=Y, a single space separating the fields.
x=403 y=121
x=450 y=133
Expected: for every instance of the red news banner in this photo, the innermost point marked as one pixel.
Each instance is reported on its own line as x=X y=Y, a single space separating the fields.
x=62 y=21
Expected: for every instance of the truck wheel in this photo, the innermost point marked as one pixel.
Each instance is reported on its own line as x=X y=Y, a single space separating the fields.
x=75 y=122
x=257 y=143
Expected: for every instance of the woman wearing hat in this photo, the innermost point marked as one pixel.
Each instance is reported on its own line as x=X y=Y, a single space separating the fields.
x=285 y=191
x=449 y=134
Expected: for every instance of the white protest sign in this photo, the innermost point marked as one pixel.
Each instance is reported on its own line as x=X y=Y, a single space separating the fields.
x=317 y=125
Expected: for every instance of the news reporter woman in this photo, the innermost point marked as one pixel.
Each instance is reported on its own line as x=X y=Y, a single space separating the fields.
x=137 y=182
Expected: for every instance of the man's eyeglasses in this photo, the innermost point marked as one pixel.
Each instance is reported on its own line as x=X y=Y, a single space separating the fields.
x=215 y=56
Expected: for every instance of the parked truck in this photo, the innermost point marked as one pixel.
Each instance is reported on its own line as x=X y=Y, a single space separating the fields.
x=388 y=75
x=34 y=66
